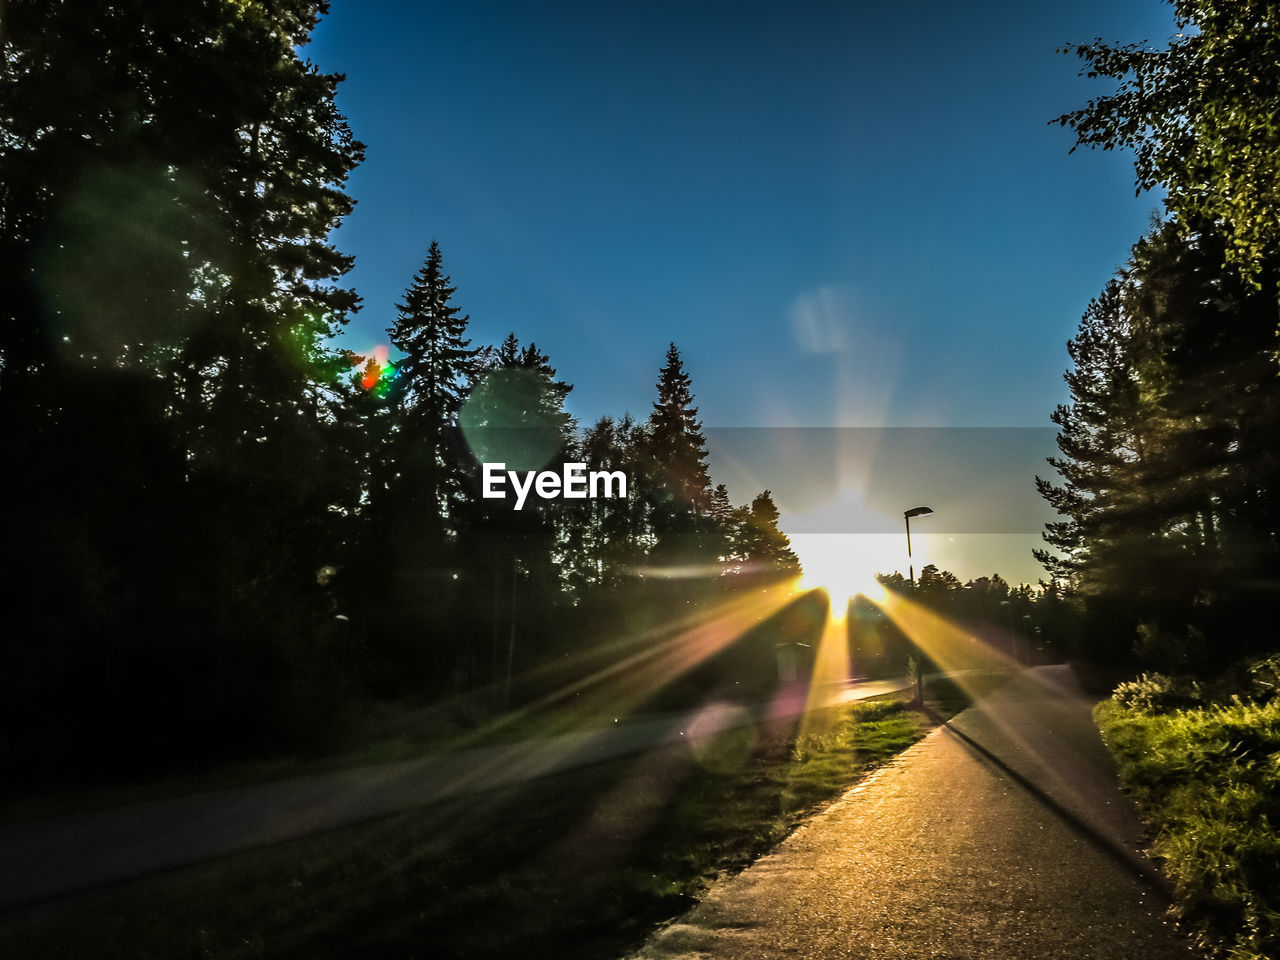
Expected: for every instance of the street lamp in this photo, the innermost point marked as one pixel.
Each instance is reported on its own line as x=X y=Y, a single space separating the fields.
x=906 y=516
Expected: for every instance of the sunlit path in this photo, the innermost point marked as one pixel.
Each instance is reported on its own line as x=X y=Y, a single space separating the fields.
x=945 y=853
x=955 y=851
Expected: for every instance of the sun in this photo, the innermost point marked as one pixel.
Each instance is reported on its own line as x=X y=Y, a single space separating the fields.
x=846 y=564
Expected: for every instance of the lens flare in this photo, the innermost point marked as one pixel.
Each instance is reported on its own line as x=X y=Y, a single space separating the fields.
x=378 y=373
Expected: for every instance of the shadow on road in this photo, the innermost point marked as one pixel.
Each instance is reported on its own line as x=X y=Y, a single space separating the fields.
x=1132 y=860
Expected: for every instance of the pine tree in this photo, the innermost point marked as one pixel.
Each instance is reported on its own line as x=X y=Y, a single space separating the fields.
x=935 y=586
x=726 y=529
x=768 y=549
x=515 y=413
x=676 y=467
x=405 y=572
x=1102 y=436
x=1167 y=494
x=426 y=476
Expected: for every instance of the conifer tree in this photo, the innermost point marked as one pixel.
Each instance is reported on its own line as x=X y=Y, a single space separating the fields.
x=1168 y=497
x=676 y=466
x=532 y=398
x=725 y=524
x=768 y=549
x=721 y=507
x=1101 y=436
x=406 y=574
x=425 y=479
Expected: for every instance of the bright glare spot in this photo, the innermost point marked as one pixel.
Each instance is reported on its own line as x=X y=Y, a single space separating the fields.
x=862 y=543
x=846 y=564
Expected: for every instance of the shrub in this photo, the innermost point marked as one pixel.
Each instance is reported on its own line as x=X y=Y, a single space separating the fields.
x=1207 y=778
x=1157 y=693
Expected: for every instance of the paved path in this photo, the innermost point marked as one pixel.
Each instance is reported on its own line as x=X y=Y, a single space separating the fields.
x=45 y=859
x=1006 y=838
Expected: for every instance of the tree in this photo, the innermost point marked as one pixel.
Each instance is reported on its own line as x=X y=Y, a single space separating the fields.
x=1103 y=436
x=425 y=476
x=1168 y=492
x=936 y=586
x=1200 y=118
x=607 y=539
x=768 y=549
x=675 y=461
x=169 y=175
x=405 y=572
x=727 y=530
x=514 y=414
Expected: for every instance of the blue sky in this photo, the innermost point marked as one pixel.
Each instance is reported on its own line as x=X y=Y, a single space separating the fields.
x=844 y=215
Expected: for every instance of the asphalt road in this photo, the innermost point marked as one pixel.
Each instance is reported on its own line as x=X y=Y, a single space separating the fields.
x=45 y=859
x=1002 y=835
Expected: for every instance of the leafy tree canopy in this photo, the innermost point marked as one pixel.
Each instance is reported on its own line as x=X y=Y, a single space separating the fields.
x=1200 y=116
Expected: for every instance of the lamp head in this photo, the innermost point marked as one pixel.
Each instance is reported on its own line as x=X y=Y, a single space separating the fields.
x=917 y=512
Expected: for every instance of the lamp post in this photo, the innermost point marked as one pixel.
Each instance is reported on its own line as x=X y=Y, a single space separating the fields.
x=906 y=516
x=911 y=569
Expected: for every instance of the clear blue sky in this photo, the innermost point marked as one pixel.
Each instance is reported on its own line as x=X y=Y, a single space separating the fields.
x=843 y=214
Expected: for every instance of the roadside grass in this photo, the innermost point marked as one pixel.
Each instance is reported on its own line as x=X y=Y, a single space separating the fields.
x=578 y=865
x=1206 y=777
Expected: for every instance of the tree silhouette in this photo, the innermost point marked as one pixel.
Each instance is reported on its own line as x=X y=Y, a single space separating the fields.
x=1168 y=492
x=164 y=314
x=431 y=380
x=767 y=548
x=676 y=466
x=514 y=414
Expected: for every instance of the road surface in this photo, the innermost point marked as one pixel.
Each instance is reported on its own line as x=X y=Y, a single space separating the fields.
x=1001 y=835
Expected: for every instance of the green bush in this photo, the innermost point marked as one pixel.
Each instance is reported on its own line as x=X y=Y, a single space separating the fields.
x=1207 y=778
x=1157 y=693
